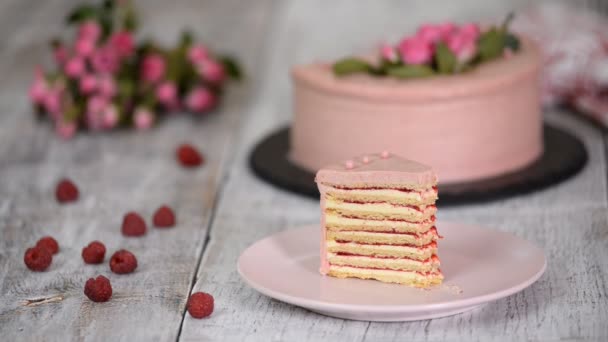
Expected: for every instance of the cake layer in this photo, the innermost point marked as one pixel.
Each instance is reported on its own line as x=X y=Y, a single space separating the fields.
x=416 y=279
x=403 y=264
x=395 y=196
x=380 y=211
x=412 y=252
x=335 y=222
x=384 y=238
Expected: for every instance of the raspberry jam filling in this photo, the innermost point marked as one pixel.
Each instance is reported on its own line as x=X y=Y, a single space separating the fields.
x=431 y=219
x=341 y=187
x=432 y=244
x=433 y=258
x=432 y=230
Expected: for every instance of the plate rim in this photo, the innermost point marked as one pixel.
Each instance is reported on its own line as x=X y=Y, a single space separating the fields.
x=399 y=308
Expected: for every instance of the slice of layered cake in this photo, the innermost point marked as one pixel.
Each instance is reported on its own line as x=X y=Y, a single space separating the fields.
x=378 y=220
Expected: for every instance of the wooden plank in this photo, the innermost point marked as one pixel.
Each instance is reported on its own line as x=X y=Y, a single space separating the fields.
x=116 y=173
x=569 y=221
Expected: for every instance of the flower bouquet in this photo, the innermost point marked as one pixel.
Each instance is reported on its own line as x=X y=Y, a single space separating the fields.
x=437 y=49
x=104 y=80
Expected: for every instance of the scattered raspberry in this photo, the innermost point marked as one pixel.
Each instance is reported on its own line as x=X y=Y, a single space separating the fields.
x=94 y=253
x=188 y=156
x=66 y=191
x=164 y=217
x=133 y=225
x=200 y=305
x=37 y=259
x=49 y=243
x=98 y=289
x=123 y=262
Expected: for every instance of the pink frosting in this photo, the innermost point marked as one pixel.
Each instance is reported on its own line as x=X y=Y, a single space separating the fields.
x=381 y=169
x=469 y=126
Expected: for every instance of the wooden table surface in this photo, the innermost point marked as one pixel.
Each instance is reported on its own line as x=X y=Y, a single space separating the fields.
x=222 y=208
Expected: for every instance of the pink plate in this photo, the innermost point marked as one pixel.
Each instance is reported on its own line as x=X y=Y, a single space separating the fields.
x=479 y=264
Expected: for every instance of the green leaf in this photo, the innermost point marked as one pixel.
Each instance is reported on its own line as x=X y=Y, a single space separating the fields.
x=232 y=67
x=108 y=4
x=445 y=59
x=81 y=13
x=512 y=42
x=410 y=71
x=130 y=20
x=186 y=39
x=491 y=44
x=351 y=66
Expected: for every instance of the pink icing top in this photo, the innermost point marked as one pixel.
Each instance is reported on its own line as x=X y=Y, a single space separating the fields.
x=380 y=169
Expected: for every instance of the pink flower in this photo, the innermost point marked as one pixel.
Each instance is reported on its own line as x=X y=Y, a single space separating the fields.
x=94 y=121
x=96 y=104
x=65 y=130
x=74 y=67
x=200 y=99
x=430 y=33
x=122 y=42
x=52 y=102
x=105 y=60
x=388 y=53
x=211 y=70
x=106 y=86
x=84 y=48
x=462 y=45
x=143 y=118
x=87 y=84
x=153 y=68
x=415 y=50
x=470 y=30
x=446 y=29
x=39 y=88
x=166 y=93
x=61 y=55
x=89 y=30
x=197 y=53
x=110 y=116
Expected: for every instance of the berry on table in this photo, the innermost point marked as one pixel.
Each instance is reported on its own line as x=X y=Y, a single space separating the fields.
x=94 y=253
x=66 y=191
x=200 y=305
x=37 y=259
x=133 y=225
x=164 y=217
x=189 y=156
x=49 y=243
x=98 y=289
x=123 y=262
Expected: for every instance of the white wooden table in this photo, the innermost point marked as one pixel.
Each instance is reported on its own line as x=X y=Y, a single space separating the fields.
x=222 y=208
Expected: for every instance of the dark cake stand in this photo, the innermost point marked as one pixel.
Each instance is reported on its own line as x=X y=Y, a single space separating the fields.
x=564 y=155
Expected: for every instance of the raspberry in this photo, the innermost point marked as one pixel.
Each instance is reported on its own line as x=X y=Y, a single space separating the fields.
x=37 y=259
x=164 y=217
x=133 y=225
x=200 y=305
x=188 y=156
x=94 y=253
x=49 y=243
x=123 y=262
x=98 y=289
x=66 y=191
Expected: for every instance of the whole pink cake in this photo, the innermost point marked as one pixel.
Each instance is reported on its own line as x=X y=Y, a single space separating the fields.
x=471 y=125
